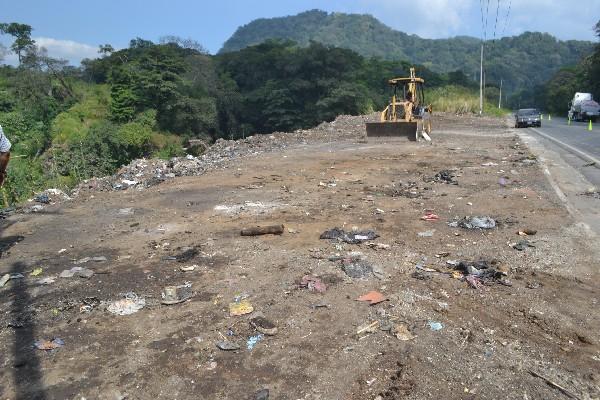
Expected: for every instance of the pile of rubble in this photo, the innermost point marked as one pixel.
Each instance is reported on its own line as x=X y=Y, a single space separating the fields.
x=143 y=173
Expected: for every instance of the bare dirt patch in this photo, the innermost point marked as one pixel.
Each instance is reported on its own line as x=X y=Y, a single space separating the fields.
x=490 y=340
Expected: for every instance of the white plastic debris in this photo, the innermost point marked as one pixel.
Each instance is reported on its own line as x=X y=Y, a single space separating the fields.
x=131 y=304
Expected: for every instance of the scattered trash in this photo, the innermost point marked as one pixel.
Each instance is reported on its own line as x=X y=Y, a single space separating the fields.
x=489 y=164
x=592 y=193
x=430 y=217
x=62 y=251
x=474 y=223
x=445 y=176
x=522 y=245
x=88 y=259
x=42 y=198
x=188 y=268
x=534 y=285
x=253 y=341
x=320 y=304
x=357 y=268
x=186 y=255
x=555 y=385
x=36 y=272
x=368 y=328
x=313 y=284
x=372 y=297
x=228 y=346
x=126 y=211
x=176 y=294
x=77 y=271
x=426 y=233
x=240 y=308
x=89 y=303
x=328 y=184
x=502 y=181
x=8 y=277
x=349 y=237
x=401 y=332
x=474 y=281
x=131 y=304
x=379 y=246
x=262 y=394
x=421 y=267
x=263 y=230
x=435 y=326
x=263 y=326
x=46 y=281
x=48 y=344
x=479 y=271
x=421 y=276
x=527 y=232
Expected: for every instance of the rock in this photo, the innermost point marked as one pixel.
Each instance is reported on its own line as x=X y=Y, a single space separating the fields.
x=264 y=326
x=228 y=346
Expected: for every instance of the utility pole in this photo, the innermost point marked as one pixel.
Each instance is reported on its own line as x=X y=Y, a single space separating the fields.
x=481 y=82
x=500 y=97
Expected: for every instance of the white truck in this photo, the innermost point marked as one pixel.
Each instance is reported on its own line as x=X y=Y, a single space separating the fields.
x=583 y=107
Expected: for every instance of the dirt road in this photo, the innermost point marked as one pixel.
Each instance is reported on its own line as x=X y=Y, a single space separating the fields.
x=497 y=336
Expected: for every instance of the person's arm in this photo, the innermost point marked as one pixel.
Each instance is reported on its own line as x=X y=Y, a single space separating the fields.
x=4 y=159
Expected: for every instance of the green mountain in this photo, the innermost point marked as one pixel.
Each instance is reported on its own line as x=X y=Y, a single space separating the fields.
x=520 y=61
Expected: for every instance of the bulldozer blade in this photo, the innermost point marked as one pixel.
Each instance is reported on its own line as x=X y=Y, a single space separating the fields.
x=392 y=129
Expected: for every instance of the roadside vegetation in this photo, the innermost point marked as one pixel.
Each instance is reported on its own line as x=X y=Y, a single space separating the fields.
x=555 y=94
x=68 y=124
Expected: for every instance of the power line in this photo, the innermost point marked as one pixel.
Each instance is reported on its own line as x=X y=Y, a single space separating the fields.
x=497 y=11
x=487 y=12
x=482 y=25
x=507 y=15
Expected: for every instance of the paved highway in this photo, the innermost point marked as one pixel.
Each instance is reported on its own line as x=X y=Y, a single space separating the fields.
x=577 y=146
x=575 y=135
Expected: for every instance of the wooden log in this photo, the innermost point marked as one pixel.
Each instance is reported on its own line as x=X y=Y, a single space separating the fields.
x=263 y=230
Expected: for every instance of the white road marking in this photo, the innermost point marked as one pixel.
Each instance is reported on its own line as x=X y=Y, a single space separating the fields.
x=576 y=151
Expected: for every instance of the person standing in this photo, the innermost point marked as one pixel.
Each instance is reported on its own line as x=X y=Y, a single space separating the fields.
x=4 y=155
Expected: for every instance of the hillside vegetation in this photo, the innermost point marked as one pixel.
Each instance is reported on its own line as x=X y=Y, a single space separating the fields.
x=521 y=62
x=68 y=124
x=555 y=94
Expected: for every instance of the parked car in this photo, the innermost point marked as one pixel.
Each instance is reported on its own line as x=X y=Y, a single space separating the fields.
x=527 y=117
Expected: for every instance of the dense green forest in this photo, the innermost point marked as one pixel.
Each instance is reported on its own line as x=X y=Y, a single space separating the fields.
x=522 y=61
x=71 y=123
x=555 y=94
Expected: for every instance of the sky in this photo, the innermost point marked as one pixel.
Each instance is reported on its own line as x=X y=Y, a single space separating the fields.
x=73 y=29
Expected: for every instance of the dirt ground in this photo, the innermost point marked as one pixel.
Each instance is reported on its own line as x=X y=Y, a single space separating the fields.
x=524 y=339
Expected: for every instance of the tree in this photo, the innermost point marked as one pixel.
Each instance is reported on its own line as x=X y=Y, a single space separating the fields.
x=105 y=50
x=139 y=43
x=184 y=43
x=22 y=34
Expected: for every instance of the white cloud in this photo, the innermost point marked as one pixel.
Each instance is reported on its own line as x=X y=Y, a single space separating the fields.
x=430 y=19
x=69 y=50
x=564 y=19
x=444 y=18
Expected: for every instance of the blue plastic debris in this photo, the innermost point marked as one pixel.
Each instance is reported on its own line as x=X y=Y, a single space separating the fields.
x=435 y=326
x=253 y=340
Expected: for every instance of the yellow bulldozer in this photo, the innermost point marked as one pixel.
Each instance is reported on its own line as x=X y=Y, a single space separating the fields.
x=407 y=115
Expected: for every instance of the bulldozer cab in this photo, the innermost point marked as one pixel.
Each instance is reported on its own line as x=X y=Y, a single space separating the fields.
x=407 y=114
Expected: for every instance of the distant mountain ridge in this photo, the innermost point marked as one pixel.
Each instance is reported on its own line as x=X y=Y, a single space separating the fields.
x=521 y=61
